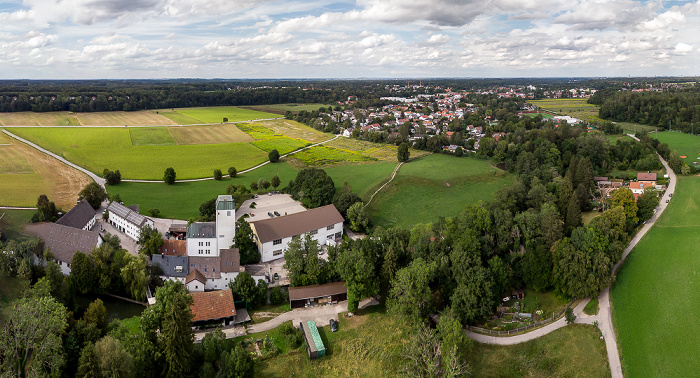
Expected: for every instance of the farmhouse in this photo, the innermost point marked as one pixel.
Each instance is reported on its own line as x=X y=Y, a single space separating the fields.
x=81 y=216
x=127 y=220
x=62 y=242
x=201 y=273
x=649 y=176
x=273 y=235
x=209 y=238
x=317 y=295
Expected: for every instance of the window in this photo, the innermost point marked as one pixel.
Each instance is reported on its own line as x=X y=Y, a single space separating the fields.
x=208 y=244
x=277 y=252
x=330 y=237
x=228 y=213
x=221 y=236
x=178 y=269
x=330 y=227
x=205 y=269
x=277 y=242
x=201 y=244
x=313 y=232
x=338 y=235
x=213 y=270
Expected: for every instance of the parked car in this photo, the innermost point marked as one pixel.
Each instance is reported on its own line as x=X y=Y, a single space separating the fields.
x=277 y=214
x=667 y=201
x=270 y=214
x=276 y=276
x=334 y=325
x=255 y=196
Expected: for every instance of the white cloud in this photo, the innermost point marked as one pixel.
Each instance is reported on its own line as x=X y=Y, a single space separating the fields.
x=682 y=48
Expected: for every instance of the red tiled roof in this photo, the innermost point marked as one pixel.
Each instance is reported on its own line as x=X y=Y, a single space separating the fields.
x=174 y=247
x=211 y=305
x=195 y=275
x=646 y=176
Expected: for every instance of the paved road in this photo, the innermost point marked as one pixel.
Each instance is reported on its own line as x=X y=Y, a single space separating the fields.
x=16 y=208
x=244 y=171
x=604 y=317
x=93 y=176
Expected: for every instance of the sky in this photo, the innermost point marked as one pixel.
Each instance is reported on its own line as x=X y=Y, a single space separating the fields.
x=253 y=39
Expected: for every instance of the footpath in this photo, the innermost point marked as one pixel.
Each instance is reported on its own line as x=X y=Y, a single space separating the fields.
x=604 y=317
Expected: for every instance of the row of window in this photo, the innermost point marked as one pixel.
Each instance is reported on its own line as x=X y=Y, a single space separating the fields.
x=201 y=244
x=204 y=251
x=312 y=232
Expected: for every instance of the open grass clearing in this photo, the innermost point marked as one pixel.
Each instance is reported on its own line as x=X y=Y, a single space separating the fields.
x=322 y=155
x=630 y=127
x=26 y=173
x=182 y=200
x=39 y=119
x=588 y=216
x=151 y=136
x=120 y=118
x=100 y=148
x=573 y=351
x=210 y=134
x=435 y=186
x=686 y=144
x=364 y=178
x=13 y=222
x=574 y=107
x=177 y=118
x=217 y=114
x=655 y=293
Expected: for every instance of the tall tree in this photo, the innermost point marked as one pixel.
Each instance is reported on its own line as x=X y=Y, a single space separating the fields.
x=82 y=272
x=150 y=241
x=243 y=288
x=303 y=264
x=112 y=359
x=410 y=293
x=177 y=336
x=403 y=153
x=274 y=156
x=243 y=240
x=358 y=218
x=313 y=187
x=573 y=215
x=94 y=194
x=135 y=277
x=30 y=341
x=646 y=203
x=624 y=197
x=356 y=266
x=169 y=176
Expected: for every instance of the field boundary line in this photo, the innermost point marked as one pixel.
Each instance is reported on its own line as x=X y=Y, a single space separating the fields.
x=141 y=126
x=385 y=184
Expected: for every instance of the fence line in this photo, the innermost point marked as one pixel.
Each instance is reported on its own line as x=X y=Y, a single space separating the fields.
x=521 y=329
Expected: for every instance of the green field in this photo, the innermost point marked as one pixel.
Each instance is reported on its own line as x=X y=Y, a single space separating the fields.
x=574 y=107
x=435 y=186
x=322 y=155
x=364 y=179
x=13 y=221
x=100 y=148
x=182 y=200
x=151 y=136
x=281 y=109
x=186 y=116
x=655 y=296
x=686 y=144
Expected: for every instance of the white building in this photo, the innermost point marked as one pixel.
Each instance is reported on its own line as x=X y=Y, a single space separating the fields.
x=127 y=220
x=209 y=238
x=273 y=235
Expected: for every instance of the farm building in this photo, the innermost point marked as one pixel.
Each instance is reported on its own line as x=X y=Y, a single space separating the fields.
x=81 y=216
x=209 y=238
x=127 y=220
x=317 y=295
x=314 y=344
x=174 y=247
x=273 y=235
x=63 y=241
x=215 y=306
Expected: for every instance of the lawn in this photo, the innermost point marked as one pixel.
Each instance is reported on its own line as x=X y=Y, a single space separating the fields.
x=13 y=221
x=573 y=351
x=100 y=148
x=435 y=186
x=268 y=312
x=655 y=295
x=26 y=173
x=182 y=200
x=686 y=144
x=216 y=114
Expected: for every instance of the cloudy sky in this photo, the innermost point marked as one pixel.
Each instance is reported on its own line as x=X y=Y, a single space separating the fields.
x=122 y=39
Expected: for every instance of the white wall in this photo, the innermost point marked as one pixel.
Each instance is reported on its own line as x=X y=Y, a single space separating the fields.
x=268 y=249
x=193 y=247
x=130 y=229
x=225 y=228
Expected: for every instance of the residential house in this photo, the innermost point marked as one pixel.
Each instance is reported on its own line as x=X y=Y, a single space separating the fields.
x=273 y=235
x=81 y=216
x=127 y=220
x=62 y=242
x=648 y=176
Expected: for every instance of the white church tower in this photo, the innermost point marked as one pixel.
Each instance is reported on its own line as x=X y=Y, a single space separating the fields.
x=225 y=222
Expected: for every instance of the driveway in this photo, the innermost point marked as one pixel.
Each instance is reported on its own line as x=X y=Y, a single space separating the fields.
x=284 y=204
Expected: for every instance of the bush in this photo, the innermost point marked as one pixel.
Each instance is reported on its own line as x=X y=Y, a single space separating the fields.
x=153 y=212
x=217 y=174
x=278 y=296
x=294 y=337
x=169 y=176
x=274 y=156
x=232 y=172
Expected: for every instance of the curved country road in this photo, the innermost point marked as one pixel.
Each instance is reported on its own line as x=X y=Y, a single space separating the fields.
x=604 y=317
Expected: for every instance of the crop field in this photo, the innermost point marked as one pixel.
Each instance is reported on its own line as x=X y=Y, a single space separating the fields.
x=26 y=173
x=39 y=119
x=210 y=134
x=573 y=351
x=322 y=155
x=574 y=107
x=117 y=118
x=218 y=113
x=383 y=152
x=544 y=115
x=177 y=118
x=434 y=186
x=100 y=148
x=281 y=109
x=686 y=144
x=151 y=136
x=655 y=294
x=296 y=130
x=282 y=144
x=182 y=200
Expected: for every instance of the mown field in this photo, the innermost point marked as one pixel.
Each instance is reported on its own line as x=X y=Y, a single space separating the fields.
x=371 y=344
x=282 y=109
x=433 y=186
x=686 y=144
x=26 y=173
x=13 y=221
x=213 y=114
x=655 y=295
x=574 y=107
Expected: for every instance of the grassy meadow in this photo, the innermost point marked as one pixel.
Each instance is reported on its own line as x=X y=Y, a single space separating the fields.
x=655 y=295
x=214 y=114
x=574 y=107
x=282 y=109
x=13 y=221
x=433 y=186
x=686 y=144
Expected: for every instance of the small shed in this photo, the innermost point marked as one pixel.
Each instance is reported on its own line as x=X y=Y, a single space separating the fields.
x=317 y=295
x=314 y=344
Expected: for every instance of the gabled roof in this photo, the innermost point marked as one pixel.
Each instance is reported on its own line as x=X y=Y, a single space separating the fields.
x=126 y=213
x=316 y=291
x=649 y=176
x=173 y=247
x=296 y=224
x=79 y=216
x=193 y=275
x=63 y=241
x=171 y=264
x=208 y=266
x=211 y=305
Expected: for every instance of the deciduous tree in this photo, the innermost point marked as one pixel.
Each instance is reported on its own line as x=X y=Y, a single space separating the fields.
x=243 y=240
x=410 y=292
x=94 y=194
x=403 y=153
x=274 y=156
x=169 y=176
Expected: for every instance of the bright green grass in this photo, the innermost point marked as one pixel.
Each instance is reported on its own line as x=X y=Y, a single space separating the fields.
x=364 y=178
x=217 y=114
x=574 y=107
x=592 y=307
x=298 y=107
x=686 y=144
x=435 y=186
x=13 y=221
x=182 y=200
x=630 y=127
x=178 y=118
x=321 y=155
x=573 y=351
x=544 y=115
x=100 y=148
x=151 y=136
x=655 y=296
x=282 y=144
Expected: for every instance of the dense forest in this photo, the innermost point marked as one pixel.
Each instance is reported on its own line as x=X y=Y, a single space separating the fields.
x=677 y=109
